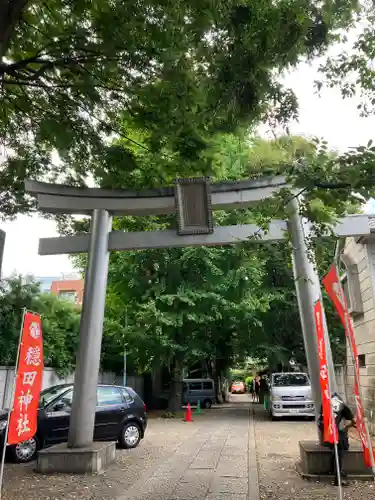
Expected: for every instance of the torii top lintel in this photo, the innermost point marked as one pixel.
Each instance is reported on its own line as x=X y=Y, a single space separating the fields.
x=57 y=198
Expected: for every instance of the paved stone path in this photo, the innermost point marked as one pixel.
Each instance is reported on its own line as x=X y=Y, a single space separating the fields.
x=217 y=462
x=212 y=458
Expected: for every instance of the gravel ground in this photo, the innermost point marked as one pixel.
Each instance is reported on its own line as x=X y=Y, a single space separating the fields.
x=162 y=439
x=277 y=453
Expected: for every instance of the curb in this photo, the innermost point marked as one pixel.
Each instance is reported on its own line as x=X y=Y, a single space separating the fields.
x=327 y=478
x=253 y=472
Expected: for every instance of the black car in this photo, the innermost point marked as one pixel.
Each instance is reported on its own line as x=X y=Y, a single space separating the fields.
x=120 y=416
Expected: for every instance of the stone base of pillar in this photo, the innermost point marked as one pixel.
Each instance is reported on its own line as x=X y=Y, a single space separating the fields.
x=60 y=458
x=316 y=461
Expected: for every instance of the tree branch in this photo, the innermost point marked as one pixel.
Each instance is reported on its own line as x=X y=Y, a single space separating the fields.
x=46 y=64
x=28 y=83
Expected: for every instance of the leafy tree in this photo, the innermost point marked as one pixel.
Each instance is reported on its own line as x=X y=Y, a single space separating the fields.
x=281 y=338
x=74 y=73
x=187 y=305
x=157 y=305
x=60 y=323
x=352 y=69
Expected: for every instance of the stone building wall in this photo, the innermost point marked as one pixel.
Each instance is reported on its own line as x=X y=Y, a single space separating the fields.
x=359 y=257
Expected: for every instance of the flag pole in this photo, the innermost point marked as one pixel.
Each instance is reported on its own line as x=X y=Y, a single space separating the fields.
x=334 y=427
x=335 y=430
x=11 y=405
x=338 y=472
x=325 y=338
x=126 y=329
x=335 y=438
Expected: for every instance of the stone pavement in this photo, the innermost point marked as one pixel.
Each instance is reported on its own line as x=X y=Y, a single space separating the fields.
x=217 y=462
x=277 y=454
x=212 y=458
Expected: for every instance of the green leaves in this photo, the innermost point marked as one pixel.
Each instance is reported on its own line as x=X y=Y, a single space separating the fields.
x=60 y=323
x=74 y=73
x=185 y=300
x=211 y=302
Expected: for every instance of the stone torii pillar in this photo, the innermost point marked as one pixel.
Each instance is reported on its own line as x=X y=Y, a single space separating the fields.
x=82 y=454
x=82 y=418
x=308 y=292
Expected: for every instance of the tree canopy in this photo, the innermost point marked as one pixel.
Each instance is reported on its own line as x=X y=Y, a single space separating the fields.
x=74 y=73
x=216 y=304
x=182 y=307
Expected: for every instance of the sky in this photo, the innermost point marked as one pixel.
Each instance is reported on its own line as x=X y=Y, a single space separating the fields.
x=326 y=116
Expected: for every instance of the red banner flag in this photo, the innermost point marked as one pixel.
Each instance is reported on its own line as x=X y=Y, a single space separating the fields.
x=29 y=377
x=330 y=435
x=335 y=291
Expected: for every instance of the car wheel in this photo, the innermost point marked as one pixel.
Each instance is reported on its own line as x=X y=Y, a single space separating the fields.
x=130 y=435
x=207 y=403
x=26 y=451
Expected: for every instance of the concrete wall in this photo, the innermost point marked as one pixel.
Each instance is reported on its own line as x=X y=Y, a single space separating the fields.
x=363 y=254
x=341 y=380
x=50 y=378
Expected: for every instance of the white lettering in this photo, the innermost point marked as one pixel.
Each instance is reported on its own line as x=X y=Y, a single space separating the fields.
x=24 y=400
x=29 y=378
x=23 y=425
x=33 y=356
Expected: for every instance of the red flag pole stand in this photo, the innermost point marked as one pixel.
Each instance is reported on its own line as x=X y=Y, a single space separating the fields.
x=188 y=417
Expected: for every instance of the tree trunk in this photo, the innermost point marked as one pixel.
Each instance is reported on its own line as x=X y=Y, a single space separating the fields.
x=10 y=14
x=175 y=391
x=219 y=372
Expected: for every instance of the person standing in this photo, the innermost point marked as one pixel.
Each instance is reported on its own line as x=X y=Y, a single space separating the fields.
x=264 y=390
x=344 y=420
x=256 y=389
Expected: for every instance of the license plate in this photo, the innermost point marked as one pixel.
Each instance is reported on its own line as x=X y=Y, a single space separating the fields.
x=294 y=412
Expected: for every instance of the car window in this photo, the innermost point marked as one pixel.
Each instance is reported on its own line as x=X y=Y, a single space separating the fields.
x=48 y=395
x=195 y=386
x=64 y=403
x=128 y=398
x=207 y=386
x=109 y=396
x=290 y=379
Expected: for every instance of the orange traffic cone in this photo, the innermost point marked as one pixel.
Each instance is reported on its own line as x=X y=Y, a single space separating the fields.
x=188 y=417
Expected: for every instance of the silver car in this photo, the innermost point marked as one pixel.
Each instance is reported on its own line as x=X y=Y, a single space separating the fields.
x=290 y=395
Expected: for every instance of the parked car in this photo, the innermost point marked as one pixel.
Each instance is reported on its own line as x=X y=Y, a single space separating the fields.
x=197 y=389
x=290 y=394
x=238 y=388
x=120 y=416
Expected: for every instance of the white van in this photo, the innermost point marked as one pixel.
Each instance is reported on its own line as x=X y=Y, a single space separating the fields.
x=290 y=395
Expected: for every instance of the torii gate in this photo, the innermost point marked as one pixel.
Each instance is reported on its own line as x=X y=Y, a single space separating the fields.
x=101 y=205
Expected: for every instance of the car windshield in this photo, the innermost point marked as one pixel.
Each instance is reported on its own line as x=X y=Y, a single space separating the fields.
x=290 y=379
x=51 y=393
